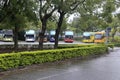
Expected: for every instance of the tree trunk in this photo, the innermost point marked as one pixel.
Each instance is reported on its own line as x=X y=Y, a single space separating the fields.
x=15 y=38
x=58 y=29
x=41 y=34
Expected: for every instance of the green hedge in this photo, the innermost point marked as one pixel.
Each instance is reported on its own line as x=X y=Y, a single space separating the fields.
x=110 y=45
x=63 y=46
x=83 y=45
x=117 y=44
x=15 y=60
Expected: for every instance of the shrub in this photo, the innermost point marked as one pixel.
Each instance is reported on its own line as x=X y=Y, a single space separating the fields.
x=117 y=44
x=110 y=45
x=15 y=60
x=63 y=46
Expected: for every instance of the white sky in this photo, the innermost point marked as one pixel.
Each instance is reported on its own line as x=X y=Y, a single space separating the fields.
x=117 y=11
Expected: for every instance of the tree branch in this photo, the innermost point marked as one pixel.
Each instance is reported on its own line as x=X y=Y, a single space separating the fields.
x=76 y=4
x=40 y=10
x=49 y=14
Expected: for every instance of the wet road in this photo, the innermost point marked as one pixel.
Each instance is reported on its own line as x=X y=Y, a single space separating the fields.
x=105 y=67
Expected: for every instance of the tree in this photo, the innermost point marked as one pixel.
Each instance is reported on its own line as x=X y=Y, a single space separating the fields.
x=3 y=7
x=15 y=14
x=115 y=26
x=51 y=25
x=94 y=15
x=46 y=9
x=64 y=7
x=31 y=25
x=88 y=22
x=108 y=8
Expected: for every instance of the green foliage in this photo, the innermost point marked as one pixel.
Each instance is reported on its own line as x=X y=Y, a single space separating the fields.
x=51 y=25
x=95 y=15
x=15 y=14
x=117 y=39
x=17 y=11
x=73 y=46
x=117 y=44
x=8 y=61
x=86 y=22
x=15 y=60
x=110 y=45
x=89 y=19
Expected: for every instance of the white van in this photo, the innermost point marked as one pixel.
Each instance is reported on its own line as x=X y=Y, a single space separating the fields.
x=30 y=36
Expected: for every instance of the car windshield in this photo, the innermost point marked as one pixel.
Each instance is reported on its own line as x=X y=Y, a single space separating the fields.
x=86 y=37
x=7 y=36
x=69 y=36
x=30 y=36
x=98 y=36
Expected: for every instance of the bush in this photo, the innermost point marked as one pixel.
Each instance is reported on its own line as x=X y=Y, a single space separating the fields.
x=117 y=44
x=117 y=39
x=110 y=45
x=15 y=60
x=8 y=61
x=63 y=46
